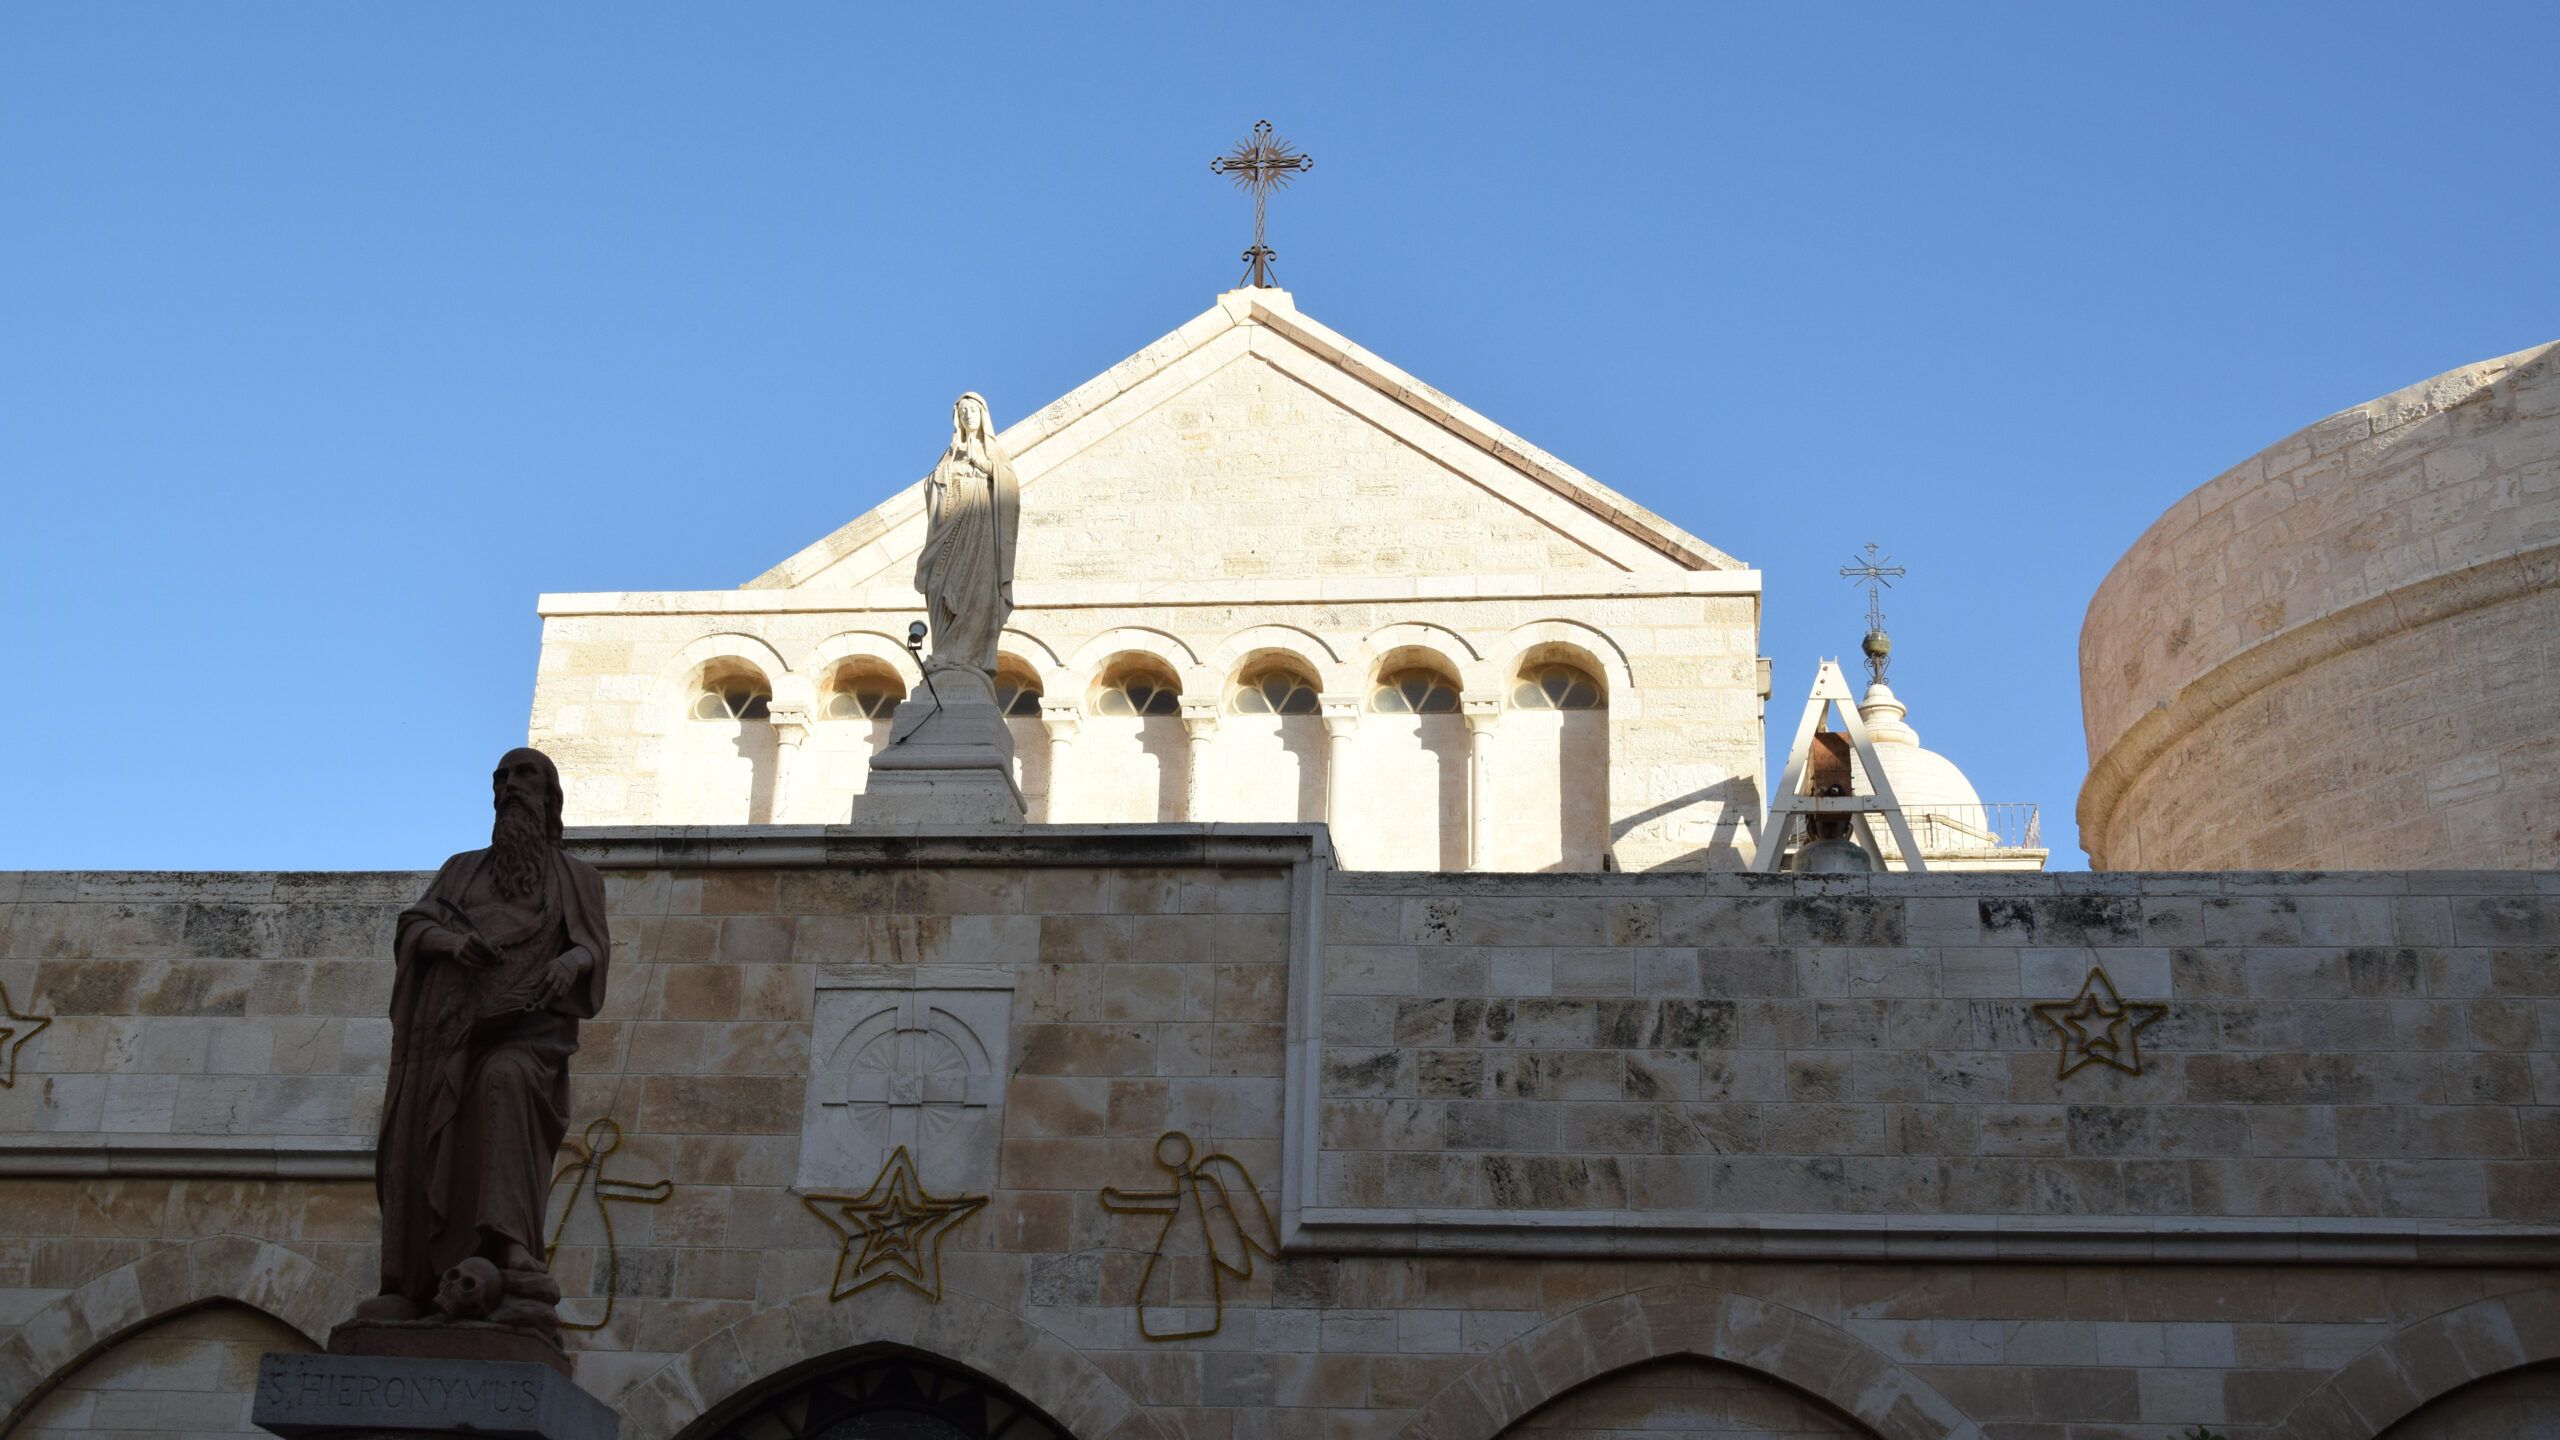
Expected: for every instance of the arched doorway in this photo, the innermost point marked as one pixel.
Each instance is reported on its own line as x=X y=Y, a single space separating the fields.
x=890 y=1395
x=1682 y=1397
x=2522 y=1403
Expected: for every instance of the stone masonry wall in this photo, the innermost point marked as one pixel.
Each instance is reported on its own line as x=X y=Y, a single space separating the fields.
x=1759 y=1062
x=2337 y=653
x=1686 y=1154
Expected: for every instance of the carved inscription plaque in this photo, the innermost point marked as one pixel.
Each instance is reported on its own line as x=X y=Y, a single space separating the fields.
x=303 y=1395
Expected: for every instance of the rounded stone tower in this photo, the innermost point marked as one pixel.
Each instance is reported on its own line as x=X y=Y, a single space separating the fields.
x=2343 y=653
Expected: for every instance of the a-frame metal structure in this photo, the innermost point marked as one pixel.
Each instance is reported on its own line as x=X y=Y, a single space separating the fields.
x=1830 y=687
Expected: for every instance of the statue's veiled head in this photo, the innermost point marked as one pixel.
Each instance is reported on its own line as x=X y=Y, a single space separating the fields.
x=973 y=429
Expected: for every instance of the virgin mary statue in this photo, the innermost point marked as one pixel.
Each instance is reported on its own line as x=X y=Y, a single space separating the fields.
x=966 y=570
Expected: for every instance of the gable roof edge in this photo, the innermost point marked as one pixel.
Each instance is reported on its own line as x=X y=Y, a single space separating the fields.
x=1017 y=438
x=1392 y=381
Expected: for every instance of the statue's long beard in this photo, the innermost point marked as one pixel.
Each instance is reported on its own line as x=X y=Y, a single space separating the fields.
x=519 y=850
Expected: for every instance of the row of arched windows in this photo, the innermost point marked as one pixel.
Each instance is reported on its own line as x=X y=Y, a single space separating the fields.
x=867 y=689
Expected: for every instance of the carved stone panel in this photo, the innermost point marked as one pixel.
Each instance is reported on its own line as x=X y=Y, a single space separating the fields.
x=900 y=1063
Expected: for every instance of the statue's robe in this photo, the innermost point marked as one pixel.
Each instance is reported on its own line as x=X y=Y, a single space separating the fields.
x=478 y=1097
x=968 y=557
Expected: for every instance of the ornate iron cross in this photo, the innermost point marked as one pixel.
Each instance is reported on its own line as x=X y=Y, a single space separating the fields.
x=1261 y=164
x=1878 y=578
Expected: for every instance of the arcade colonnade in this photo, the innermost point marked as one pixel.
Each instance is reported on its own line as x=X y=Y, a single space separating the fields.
x=1424 y=748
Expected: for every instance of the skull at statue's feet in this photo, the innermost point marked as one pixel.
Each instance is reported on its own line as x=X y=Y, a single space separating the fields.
x=470 y=1290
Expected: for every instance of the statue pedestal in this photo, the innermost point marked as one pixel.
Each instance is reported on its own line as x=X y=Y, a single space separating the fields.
x=378 y=1397
x=949 y=760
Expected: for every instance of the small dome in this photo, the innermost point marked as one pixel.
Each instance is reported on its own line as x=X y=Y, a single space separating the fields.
x=1927 y=783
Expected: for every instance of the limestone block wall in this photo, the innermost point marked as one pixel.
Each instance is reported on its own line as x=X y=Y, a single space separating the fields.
x=1666 y=777
x=1671 y=1154
x=2340 y=652
x=2330 y=1070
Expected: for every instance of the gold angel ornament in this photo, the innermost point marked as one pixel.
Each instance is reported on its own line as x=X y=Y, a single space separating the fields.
x=1214 y=1224
x=601 y=1140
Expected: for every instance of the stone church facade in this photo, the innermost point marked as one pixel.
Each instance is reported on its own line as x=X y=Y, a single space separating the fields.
x=1367 y=1041
x=1264 y=576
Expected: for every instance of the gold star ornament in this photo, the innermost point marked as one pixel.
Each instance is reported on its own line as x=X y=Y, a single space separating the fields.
x=892 y=1231
x=2099 y=1027
x=16 y=1033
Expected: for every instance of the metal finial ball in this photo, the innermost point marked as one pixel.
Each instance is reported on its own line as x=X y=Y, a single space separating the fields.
x=1877 y=644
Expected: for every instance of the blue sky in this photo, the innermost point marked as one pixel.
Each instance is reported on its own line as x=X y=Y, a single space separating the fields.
x=331 y=335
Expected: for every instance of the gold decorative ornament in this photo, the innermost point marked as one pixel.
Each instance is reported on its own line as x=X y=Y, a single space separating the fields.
x=1231 y=1233
x=2098 y=1026
x=899 y=1226
x=16 y=1034
x=602 y=1139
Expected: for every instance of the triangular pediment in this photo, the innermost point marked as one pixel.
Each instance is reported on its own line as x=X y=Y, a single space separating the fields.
x=1254 y=443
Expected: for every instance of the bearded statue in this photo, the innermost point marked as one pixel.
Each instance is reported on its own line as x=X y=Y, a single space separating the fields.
x=973 y=506
x=497 y=964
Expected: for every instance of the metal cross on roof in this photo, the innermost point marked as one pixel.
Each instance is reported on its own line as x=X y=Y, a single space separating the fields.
x=1261 y=164
x=1877 y=575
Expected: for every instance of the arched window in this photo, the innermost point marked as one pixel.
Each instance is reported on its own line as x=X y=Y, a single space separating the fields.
x=862 y=690
x=732 y=690
x=1415 y=691
x=1274 y=690
x=1017 y=689
x=1557 y=687
x=1139 y=690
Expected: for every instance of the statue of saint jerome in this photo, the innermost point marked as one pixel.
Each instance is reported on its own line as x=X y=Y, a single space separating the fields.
x=973 y=505
x=497 y=964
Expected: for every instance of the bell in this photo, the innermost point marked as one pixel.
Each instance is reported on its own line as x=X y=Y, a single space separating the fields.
x=1829 y=848
x=1834 y=855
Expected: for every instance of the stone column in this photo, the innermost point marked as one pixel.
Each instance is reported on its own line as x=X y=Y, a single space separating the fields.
x=1341 y=718
x=790 y=728
x=1200 y=722
x=1481 y=712
x=1060 y=720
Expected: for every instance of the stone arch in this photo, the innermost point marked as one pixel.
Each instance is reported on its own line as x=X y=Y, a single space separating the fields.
x=844 y=645
x=1607 y=1336
x=666 y=696
x=726 y=1374
x=1552 y=779
x=1264 y=767
x=1084 y=666
x=1303 y=646
x=1462 y=656
x=189 y=1373
x=697 y=781
x=1590 y=644
x=1040 y=655
x=2426 y=1361
x=75 y=1328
